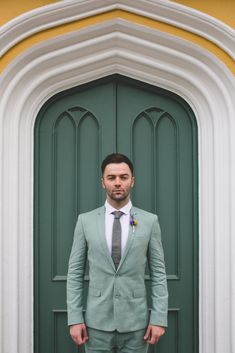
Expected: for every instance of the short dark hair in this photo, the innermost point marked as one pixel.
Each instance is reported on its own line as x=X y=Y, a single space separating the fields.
x=116 y=158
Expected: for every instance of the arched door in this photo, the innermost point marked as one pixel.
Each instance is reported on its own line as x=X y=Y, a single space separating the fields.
x=74 y=131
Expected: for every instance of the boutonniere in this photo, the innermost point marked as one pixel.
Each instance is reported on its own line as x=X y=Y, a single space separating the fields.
x=133 y=223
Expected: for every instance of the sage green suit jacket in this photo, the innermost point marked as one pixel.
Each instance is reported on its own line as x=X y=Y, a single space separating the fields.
x=117 y=299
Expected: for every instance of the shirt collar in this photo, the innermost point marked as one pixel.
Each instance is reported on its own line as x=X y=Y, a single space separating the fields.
x=126 y=209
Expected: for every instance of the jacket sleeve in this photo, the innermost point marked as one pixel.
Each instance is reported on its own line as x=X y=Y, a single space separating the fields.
x=159 y=292
x=75 y=277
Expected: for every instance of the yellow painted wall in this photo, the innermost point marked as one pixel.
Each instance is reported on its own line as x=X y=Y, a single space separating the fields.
x=11 y=8
x=224 y=10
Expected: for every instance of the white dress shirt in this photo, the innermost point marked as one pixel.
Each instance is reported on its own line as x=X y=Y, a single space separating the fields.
x=124 y=220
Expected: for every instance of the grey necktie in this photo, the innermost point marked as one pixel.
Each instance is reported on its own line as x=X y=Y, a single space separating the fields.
x=116 y=238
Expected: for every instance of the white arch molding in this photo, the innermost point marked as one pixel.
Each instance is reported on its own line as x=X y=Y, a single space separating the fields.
x=153 y=57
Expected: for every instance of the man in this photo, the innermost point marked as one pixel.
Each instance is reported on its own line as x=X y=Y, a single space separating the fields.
x=118 y=240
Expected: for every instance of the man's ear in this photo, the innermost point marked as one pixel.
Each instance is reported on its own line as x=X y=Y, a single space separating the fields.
x=133 y=181
x=102 y=182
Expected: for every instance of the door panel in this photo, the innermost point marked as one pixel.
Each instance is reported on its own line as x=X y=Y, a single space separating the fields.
x=157 y=129
x=74 y=131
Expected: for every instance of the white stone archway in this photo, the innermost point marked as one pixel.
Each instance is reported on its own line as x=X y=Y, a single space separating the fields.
x=153 y=57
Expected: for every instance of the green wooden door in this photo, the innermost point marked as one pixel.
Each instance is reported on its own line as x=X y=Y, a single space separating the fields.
x=74 y=131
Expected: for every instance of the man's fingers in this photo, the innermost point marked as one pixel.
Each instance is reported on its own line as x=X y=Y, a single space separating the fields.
x=147 y=333
x=153 y=334
x=153 y=339
x=84 y=335
x=76 y=337
x=79 y=333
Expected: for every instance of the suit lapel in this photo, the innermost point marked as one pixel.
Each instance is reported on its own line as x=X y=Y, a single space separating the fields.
x=130 y=239
x=101 y=234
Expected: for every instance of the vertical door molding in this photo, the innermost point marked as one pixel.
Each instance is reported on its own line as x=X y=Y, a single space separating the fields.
x=146 y=55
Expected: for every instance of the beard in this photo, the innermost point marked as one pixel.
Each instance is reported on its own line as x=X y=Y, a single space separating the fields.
x=116 y=196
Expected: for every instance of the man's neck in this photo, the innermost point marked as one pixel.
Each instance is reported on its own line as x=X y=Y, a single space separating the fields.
x=118 y=204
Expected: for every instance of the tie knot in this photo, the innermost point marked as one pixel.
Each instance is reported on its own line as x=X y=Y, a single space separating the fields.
x=117 y=214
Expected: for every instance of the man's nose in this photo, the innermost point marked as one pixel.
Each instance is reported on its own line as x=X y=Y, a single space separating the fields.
x=117 y=181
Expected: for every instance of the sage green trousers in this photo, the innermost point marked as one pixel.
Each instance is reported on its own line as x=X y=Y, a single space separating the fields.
x=116 y=342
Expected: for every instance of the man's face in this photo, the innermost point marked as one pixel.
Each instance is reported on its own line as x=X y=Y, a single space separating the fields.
x=117 y=181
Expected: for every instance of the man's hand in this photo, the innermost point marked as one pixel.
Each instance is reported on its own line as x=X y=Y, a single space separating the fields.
x=79 y=334
x=153 y=334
